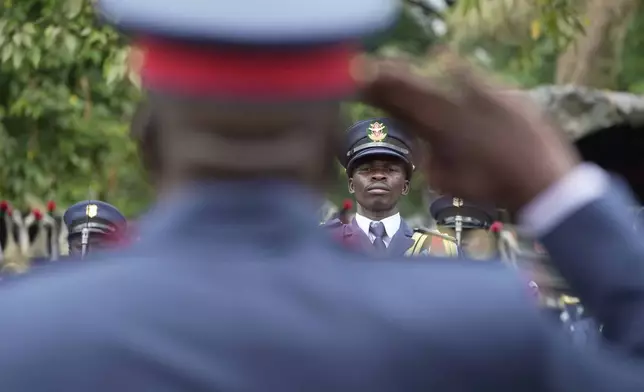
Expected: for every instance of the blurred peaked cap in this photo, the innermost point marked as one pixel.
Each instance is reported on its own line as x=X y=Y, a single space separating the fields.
x=445 y=208
x=251 y=50
x=253 y=22
x=374 y=137
x=101 y=217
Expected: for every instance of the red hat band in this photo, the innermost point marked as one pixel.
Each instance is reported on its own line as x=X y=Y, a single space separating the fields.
x=321 y=72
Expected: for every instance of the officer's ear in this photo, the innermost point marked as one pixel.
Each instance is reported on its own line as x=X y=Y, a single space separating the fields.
x=350 y=186
x=406 y=187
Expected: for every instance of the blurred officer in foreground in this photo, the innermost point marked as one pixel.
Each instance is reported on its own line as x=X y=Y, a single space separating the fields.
x=93 y=225
x=379 y=164
x=233 y=287
x=469 y=223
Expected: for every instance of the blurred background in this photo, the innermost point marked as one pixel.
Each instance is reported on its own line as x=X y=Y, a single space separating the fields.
x=66 y=94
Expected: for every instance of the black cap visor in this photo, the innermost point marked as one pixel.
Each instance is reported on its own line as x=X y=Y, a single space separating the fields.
x=374 y=152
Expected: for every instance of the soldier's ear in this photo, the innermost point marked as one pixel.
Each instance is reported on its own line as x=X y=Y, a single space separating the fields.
x=350 y=186
x=406 y=187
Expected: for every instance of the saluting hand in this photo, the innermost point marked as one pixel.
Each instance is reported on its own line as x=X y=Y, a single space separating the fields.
x=483 y=143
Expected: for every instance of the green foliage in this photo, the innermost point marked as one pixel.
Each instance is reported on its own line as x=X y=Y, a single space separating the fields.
x=64 y=101
x=558 y=19
x=631 y=77
x=533 y=62
x=519 y=65
x=522 y=40
x=410 y=35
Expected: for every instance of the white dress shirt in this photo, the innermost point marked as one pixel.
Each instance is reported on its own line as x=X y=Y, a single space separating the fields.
x=392 y=224
x=585 y=184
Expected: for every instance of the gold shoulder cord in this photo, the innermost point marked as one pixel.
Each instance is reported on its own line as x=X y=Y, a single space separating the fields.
x=419 y=239
x=451 y=248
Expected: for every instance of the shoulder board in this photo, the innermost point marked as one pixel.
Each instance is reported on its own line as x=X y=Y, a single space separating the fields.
x=434 y=233
x=332 y=223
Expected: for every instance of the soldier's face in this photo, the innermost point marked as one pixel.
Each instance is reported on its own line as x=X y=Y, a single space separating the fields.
x=379 y=183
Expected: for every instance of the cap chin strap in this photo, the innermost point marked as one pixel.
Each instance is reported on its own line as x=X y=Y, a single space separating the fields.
x=458 y=228
x=84 y=241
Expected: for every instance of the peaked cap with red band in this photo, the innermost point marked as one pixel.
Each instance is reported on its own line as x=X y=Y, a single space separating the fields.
x=258 y=49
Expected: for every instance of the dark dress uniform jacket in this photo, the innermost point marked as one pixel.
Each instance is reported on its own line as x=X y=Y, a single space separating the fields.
x=402 y=243
x=231 y=289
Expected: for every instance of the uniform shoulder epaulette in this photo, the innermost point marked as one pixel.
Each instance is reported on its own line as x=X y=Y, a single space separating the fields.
x=437 y=233
x=332 y=223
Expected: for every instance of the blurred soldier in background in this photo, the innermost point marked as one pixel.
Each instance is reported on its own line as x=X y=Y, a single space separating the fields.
x=522 y=251
x=327 y=211
x=94 y=225
x=40 y=241
x=469 y=223
x=581 y=326
x=40 y=230
x=554 y=294
x=13 y=238
x=345 y=215
x=330 y=212
x=4 y=230
x=11 y=257
x=58 y=235
x=378 y=159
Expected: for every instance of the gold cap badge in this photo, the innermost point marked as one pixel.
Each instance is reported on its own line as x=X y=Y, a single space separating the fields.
x=91 y=210
x=377 y=132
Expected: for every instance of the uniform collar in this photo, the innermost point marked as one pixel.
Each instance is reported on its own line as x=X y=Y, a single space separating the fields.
x=392 y=224
x=232 y=208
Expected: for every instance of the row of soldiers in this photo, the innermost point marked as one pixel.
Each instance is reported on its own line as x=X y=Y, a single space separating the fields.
x=378 y=158
x=481 y=237
x=30 y=238
x=32 y=234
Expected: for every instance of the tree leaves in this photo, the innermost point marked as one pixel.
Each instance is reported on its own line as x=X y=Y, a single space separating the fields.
x=7 y=51
x=60 y=123
x=46 y=56
x=516 y=22
x=73 y=8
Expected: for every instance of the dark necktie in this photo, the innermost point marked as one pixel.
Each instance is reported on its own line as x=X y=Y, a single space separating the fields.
x=378 y=230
